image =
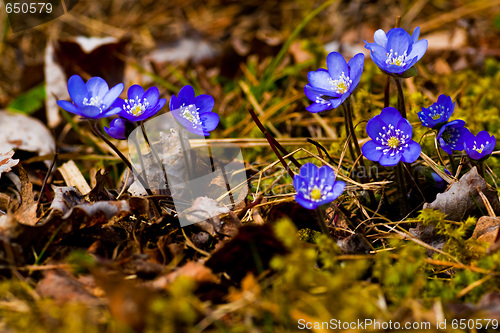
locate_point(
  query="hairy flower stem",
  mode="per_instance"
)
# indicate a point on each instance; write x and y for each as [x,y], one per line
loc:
[401,97]
[157,158]
[348,111]
[400,180]
[402,111]
[122,157]
[321,221]
[453,164]
[480,169]
[272,143]
[387,91]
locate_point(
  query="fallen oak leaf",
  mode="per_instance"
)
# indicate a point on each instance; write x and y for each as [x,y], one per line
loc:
[462,198]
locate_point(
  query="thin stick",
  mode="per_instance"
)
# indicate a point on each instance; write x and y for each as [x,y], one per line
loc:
[155,155]
[271,142]
[46,178]
[123,158]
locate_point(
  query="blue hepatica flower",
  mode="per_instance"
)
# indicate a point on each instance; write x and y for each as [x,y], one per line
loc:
[92,99]
[396,51]
[451,136]
[329,88]
[479,146]
[194,113]
[316,186]
[438,113]
[391,139]
[140,104]
[116,129]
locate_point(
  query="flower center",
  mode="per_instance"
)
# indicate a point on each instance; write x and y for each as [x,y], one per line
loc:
[316,194]
[393,142]
[479,150]
[341,85]
[94,101]
[191,114]
[394,59]
[136,107]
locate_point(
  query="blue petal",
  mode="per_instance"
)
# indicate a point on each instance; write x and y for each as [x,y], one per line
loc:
[412,152]
[205,103]
[116,129]
[405,126]
[388,160]
[210,121]
[398,40]
[338,189]
[186,94]
[336,65]
[323,94]
[299,182]
[370,151]
[174,103]
[160,105]
[70,107]
[309,171]
[317,107]
[356,69]
[444,146]
[135,92]
[374,127]
[390,115]
[425,119]
[320,79]
[112,95]
[488,149]
[97,87]
[418,49]
[77,90]
[336,102]
[90,111]
[380,38]
[308,204]
[326,175]
[416,34]
[152,95]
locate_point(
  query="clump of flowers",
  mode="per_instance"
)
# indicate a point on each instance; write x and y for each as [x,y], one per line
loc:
[330,88]
[479,146]
[316,186]
[438,113]
[397,51]
[93,99]
[194,112]
[391,139]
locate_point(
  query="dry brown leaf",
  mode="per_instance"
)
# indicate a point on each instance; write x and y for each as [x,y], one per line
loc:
[6,162]
[462,198]
[26,213]
[26,133]
[192,269]
[55,86]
